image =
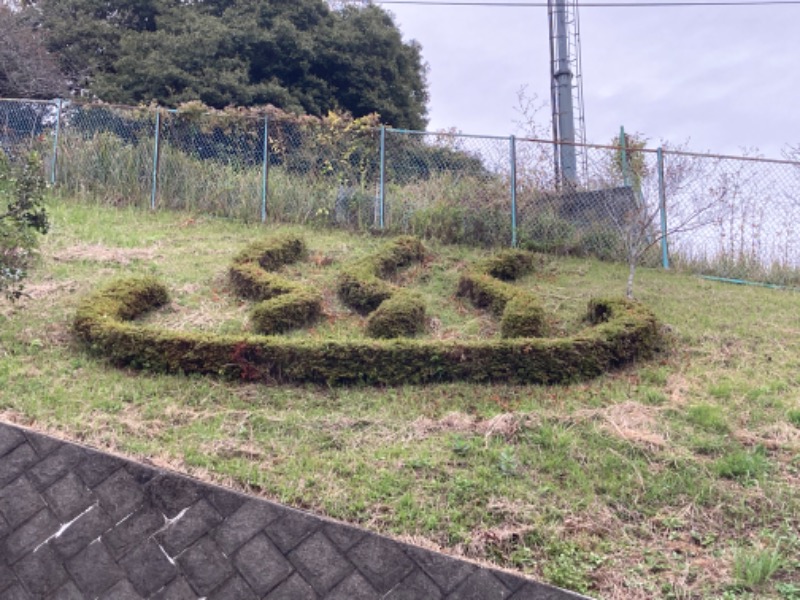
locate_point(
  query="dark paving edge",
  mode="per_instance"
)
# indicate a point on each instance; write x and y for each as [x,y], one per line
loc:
[79,523]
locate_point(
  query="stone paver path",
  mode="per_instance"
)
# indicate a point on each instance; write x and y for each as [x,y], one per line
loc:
[77,523]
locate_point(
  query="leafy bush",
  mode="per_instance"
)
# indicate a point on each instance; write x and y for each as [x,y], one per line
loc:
[22,216]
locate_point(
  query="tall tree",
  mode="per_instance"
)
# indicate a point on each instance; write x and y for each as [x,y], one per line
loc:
[26,68]
[296,54]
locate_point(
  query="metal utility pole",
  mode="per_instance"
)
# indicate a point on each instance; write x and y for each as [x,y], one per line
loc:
[566,90]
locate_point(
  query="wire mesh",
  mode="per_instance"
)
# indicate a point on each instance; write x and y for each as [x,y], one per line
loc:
[210,164]
[450,187]
[731,217]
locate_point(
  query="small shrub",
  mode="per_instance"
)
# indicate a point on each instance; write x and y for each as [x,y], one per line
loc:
[793,416]
[401,315]
[284,304]
[22,217]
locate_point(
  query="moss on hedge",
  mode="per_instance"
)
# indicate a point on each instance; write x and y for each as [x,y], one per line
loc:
[401,315]
[521,313]
[361,286]
[284,304]
[622,332]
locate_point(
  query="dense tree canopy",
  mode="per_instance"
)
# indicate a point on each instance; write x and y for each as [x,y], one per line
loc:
[26,68]
[296,54]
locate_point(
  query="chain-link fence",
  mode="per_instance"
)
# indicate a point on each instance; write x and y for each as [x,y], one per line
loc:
[728,216]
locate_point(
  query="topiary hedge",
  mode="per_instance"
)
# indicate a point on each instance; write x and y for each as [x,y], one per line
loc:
[620,332]
[521,313]
[392,312]
[283,304]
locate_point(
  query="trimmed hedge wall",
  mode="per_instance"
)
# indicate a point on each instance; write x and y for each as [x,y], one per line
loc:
[283,304]
[392,312]
[621,332]
[521,313]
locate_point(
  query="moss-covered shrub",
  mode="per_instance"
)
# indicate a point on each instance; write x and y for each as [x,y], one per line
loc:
[622,332]
[284,304]
[521,313]
[401,315]
[361,287]
[522,317]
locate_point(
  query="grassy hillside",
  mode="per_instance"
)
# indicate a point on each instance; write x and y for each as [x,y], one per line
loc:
[676,478]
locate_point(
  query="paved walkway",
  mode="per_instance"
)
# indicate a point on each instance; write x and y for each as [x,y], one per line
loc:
[77,523]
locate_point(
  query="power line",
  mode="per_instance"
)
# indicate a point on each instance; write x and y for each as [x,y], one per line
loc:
[690,3]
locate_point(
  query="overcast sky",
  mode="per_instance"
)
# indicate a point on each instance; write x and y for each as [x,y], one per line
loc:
[723,78]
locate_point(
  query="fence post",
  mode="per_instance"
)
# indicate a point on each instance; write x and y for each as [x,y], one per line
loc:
[513,156]
[662,204]
[624,157]
[55,145]
[265,171]
[382,182]
[156,148]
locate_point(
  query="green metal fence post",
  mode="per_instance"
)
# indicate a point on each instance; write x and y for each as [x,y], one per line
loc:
[265,171]
[513,157]
[54,164]
[662,203]
[382,183]
[156,148]
[624,156]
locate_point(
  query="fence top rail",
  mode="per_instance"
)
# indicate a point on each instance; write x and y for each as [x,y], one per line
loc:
[447,134]
[706,155]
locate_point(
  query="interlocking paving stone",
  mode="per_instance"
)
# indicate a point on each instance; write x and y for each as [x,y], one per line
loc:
[68,591]
[320,563]
[416,585]
[121,591]
[205,566]
[7,577]
[198,520]
[120,495]
[479,586]
[262,564]
[16,592]
[178,589]
[294,588]
[290,527]
[131,532]
[225,501]
[354,587]
[16,462]
[43,444]
[9,439]
[343,536]
[33,532]
[234,589]
[148,568]
[89,526]
[68,497]
[446,572]
[55,466]
[242,525]
[78,524]
[19,501]
[41,572]
[172,493]
[382,563]
[94,569]
[536,591]
[97,467]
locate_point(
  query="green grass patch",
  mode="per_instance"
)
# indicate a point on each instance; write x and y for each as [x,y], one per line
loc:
[614,483]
